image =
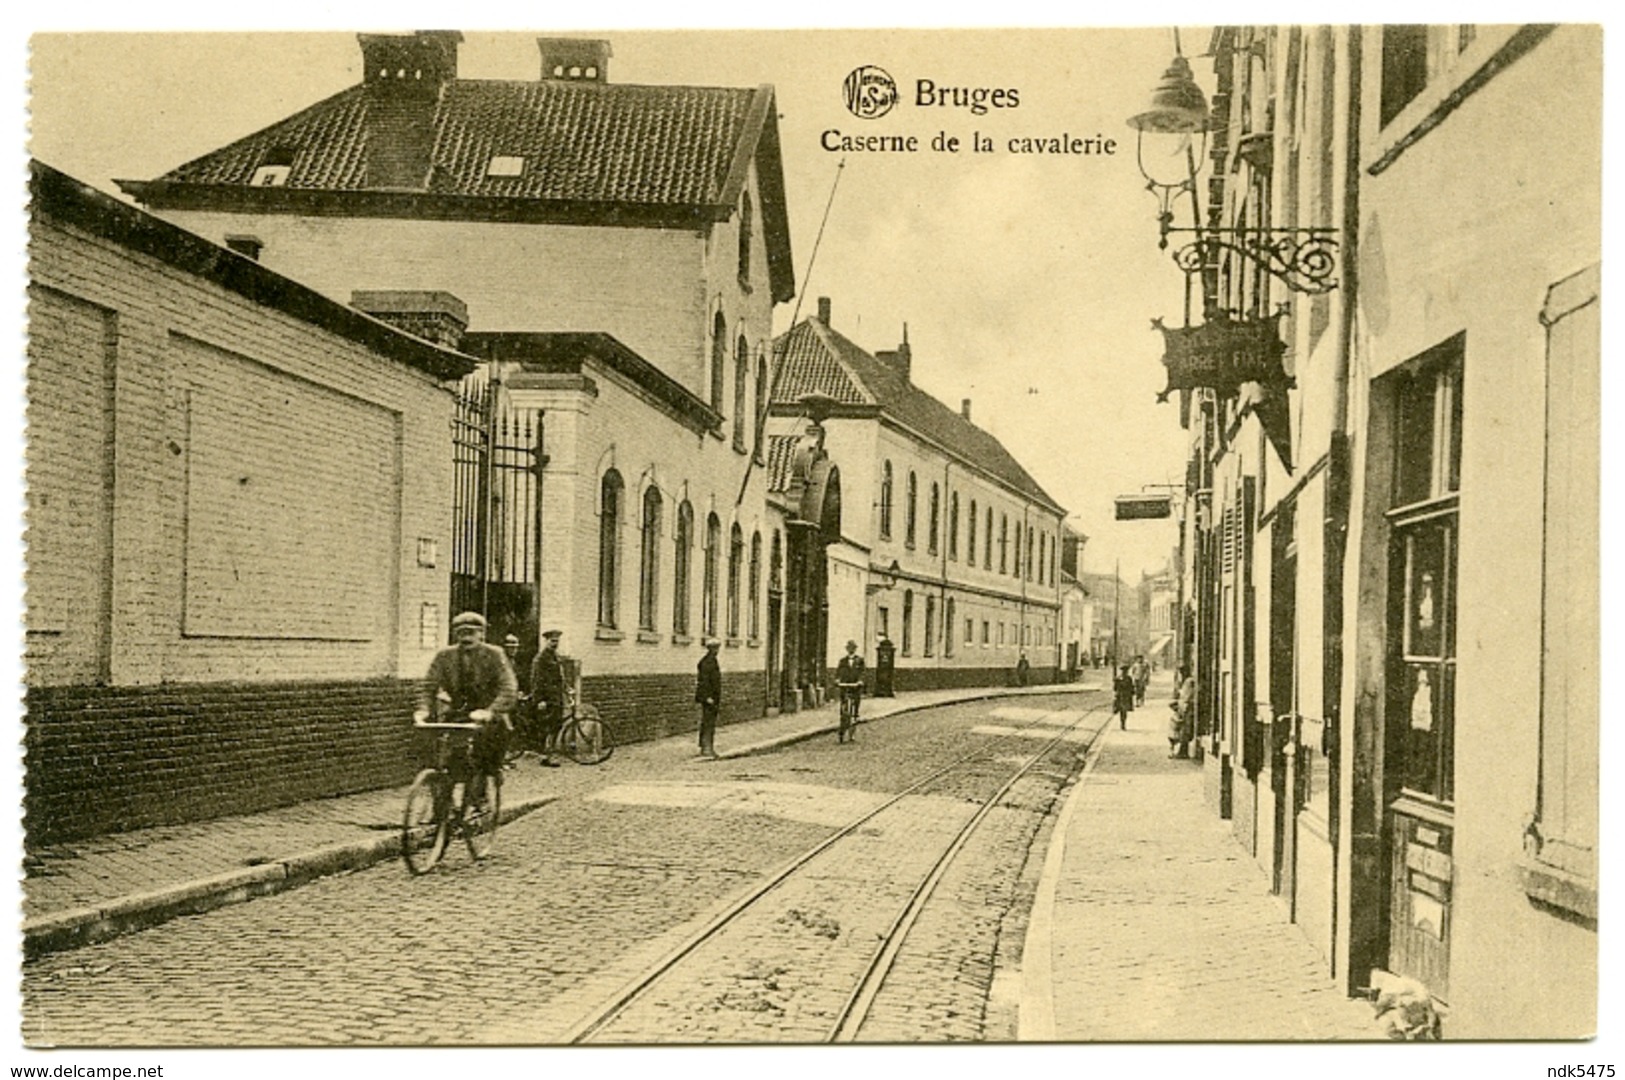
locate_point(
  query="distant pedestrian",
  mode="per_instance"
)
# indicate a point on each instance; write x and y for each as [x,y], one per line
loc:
[1123,696]
[849,680]
[1023,670]
[1142,675]
[708,695]
[1184,709]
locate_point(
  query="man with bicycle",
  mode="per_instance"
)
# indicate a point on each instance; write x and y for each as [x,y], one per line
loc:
[474,681]
[849,680]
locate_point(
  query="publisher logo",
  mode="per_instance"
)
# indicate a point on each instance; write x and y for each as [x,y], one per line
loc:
[870,93]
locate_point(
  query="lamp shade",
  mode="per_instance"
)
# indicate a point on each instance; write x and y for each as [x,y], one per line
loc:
[1178,105]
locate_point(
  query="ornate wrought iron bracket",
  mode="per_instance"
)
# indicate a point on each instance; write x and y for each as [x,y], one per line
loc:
[1303,258]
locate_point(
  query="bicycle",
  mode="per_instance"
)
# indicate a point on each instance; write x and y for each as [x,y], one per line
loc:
[450,798]
[850,697]
[584,736]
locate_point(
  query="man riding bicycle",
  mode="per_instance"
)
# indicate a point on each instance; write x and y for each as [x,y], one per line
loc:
[849,679]
[474,681]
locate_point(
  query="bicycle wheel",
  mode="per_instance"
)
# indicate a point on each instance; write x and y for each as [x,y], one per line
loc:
[482,810]
[424,831]
[587,739]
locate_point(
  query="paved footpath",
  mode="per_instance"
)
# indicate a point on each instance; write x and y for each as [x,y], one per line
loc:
[94,889]
[1152,925]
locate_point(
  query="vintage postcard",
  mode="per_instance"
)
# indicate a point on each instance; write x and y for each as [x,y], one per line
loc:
[1083,536]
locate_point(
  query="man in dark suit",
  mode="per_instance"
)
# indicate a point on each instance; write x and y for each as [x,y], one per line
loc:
[474,681]
[849,679]
[708,694]
[547,691]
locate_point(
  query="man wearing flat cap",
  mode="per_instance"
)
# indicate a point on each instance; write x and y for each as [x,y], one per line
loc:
[474,680]
[708,694]
[547,690]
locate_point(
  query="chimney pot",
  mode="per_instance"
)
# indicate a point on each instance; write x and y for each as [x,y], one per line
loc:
[964,408]
[574,59]
[823,310]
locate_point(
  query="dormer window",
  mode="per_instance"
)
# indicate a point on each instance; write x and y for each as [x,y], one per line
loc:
[274,170]
[244,244]
[506,165]
[271,175]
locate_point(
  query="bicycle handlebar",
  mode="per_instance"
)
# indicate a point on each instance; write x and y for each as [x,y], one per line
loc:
[433,725]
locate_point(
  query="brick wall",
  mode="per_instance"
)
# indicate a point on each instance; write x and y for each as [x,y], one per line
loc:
[644,707]
[219,491]
[104,760]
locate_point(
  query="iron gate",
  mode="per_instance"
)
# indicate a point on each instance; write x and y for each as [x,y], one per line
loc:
[496,510]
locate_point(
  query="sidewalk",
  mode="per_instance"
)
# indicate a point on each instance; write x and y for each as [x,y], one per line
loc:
[1152,925]
[90,890]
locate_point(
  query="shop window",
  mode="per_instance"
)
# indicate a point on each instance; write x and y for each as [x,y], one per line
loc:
[1422,597]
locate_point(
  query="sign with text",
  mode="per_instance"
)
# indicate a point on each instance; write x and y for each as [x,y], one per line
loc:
[1222,354]
[1143,507]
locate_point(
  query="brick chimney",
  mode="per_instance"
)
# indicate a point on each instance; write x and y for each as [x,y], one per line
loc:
[899,359]
[574,59]
[823,310]
[434,316]
[403,75]
[964,408]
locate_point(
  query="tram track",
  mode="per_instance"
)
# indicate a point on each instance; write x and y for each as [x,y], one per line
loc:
[845,1022]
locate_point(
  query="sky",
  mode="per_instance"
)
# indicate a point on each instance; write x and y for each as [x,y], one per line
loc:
[1027,282]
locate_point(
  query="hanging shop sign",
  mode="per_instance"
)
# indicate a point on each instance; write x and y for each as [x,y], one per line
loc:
[1143,507]
[1222,354]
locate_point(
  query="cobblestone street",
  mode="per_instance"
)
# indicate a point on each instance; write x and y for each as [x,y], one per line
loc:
[584,893]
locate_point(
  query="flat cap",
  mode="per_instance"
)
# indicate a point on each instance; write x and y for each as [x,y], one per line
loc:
[468,618]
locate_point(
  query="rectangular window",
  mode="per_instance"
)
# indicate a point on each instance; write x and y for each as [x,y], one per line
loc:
[930,625]
[908,621]
[883,617]
[970,631]
[985,637]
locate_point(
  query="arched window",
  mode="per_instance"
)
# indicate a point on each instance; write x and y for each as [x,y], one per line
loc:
[885,500]
[755,585]
[987,542]
[911,510]
[1028,565]
[719,353]
[1043,555]
[970,536]
[1004,544]
[761,400]
[775,566]
[609,529]
[708,589]
[953,525]
[1015,566]
[935,519]
[908,621]
[681,599]
[930,624]
[744,238]
[741,379]
[649,570]
[736,560]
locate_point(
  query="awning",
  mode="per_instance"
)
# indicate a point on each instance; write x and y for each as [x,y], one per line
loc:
[1158,645]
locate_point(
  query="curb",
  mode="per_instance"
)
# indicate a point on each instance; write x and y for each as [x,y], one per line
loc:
[76,927]
[1035,1010]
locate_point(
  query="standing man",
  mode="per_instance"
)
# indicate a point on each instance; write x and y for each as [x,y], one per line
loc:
[708,694]
[472,680]
[547,692]
[1142,676]
[849,679]
[1123,696]
[1185,708]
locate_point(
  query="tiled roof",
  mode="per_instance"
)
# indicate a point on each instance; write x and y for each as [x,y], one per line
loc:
[817,359]
[809,366]
[781,454]
[592,142]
